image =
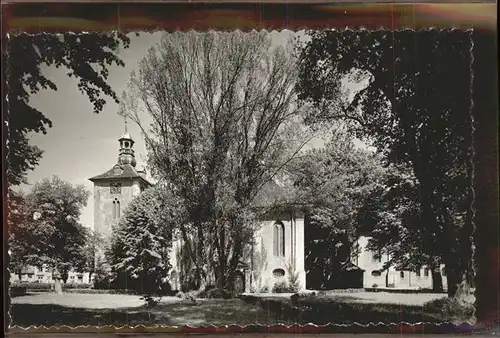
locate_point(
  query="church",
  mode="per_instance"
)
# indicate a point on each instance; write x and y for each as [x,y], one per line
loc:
[279,243]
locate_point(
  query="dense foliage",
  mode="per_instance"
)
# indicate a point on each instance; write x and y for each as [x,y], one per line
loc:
[86,56]
[338,183]
[44,228]
[416,111]
[224,123]
[139,252]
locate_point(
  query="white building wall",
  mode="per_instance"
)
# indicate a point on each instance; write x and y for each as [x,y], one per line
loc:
[44,275]
[397,279]
[265,262]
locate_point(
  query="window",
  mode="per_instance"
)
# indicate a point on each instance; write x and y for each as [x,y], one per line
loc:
[426,272]
[277,273]
[279,239]
[418,272]
[376,273]
[402,274]
[72,277]
[116,209]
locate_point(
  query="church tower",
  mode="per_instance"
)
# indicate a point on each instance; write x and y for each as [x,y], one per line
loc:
[115,188]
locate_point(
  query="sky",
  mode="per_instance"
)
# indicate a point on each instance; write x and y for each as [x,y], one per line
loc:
[82,144]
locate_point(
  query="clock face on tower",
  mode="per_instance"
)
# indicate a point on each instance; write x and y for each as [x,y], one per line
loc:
[115,188]
[117,171]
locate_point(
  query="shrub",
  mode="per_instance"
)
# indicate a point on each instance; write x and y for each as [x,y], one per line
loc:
[34,286]
[150,301]
[165,289]
[375,285]
[263,289]
[17,291]
[293,279]
[77,286]
[451,308]
[282,286]
[216,294]
[49,286]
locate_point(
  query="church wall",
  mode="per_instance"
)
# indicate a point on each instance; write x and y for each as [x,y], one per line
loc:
[264,260]
[103,203]
[300,249]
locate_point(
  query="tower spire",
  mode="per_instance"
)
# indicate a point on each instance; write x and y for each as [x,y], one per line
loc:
[126,154]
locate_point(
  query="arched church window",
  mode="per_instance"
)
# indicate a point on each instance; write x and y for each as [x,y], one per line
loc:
[279,239]
[117,209]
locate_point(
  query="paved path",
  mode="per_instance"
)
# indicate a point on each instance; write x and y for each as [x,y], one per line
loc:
[87,301]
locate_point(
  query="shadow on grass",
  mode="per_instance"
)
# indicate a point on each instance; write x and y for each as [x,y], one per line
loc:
[204,312]
[341,311]
[55,315]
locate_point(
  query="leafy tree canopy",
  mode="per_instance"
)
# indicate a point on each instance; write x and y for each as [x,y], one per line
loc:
[415,108]
[49,228]
[86,56]
[139,252]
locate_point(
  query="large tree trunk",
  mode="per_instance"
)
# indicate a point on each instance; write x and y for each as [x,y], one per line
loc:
[58,287]
[437,280]
[65,276]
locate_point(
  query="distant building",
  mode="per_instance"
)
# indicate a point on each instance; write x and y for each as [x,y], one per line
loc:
[33,274]
[375,276]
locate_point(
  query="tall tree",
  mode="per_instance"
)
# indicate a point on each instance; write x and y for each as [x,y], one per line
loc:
[24,237]
[223,111]
[140,244]
[86,56]
[415,107]
[54,209]
[337,182]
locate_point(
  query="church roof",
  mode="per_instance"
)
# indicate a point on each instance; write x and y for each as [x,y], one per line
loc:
[120,172]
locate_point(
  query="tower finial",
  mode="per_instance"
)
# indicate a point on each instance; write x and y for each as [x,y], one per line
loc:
[125,120]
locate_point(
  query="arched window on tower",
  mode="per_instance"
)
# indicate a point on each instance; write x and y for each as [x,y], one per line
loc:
[116,209]
[279,239]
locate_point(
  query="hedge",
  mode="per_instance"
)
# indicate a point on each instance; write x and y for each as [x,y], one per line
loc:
[49,286]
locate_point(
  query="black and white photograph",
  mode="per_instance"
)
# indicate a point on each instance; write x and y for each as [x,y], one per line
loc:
[240,177]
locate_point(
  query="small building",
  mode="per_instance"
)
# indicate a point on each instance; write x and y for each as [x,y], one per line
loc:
[375,276]
[32,274]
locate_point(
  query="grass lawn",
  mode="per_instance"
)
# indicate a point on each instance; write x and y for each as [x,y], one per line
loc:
[361,307]
[338,308]
[99,309]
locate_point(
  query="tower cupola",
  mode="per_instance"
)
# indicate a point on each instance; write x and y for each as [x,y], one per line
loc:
[126,154]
